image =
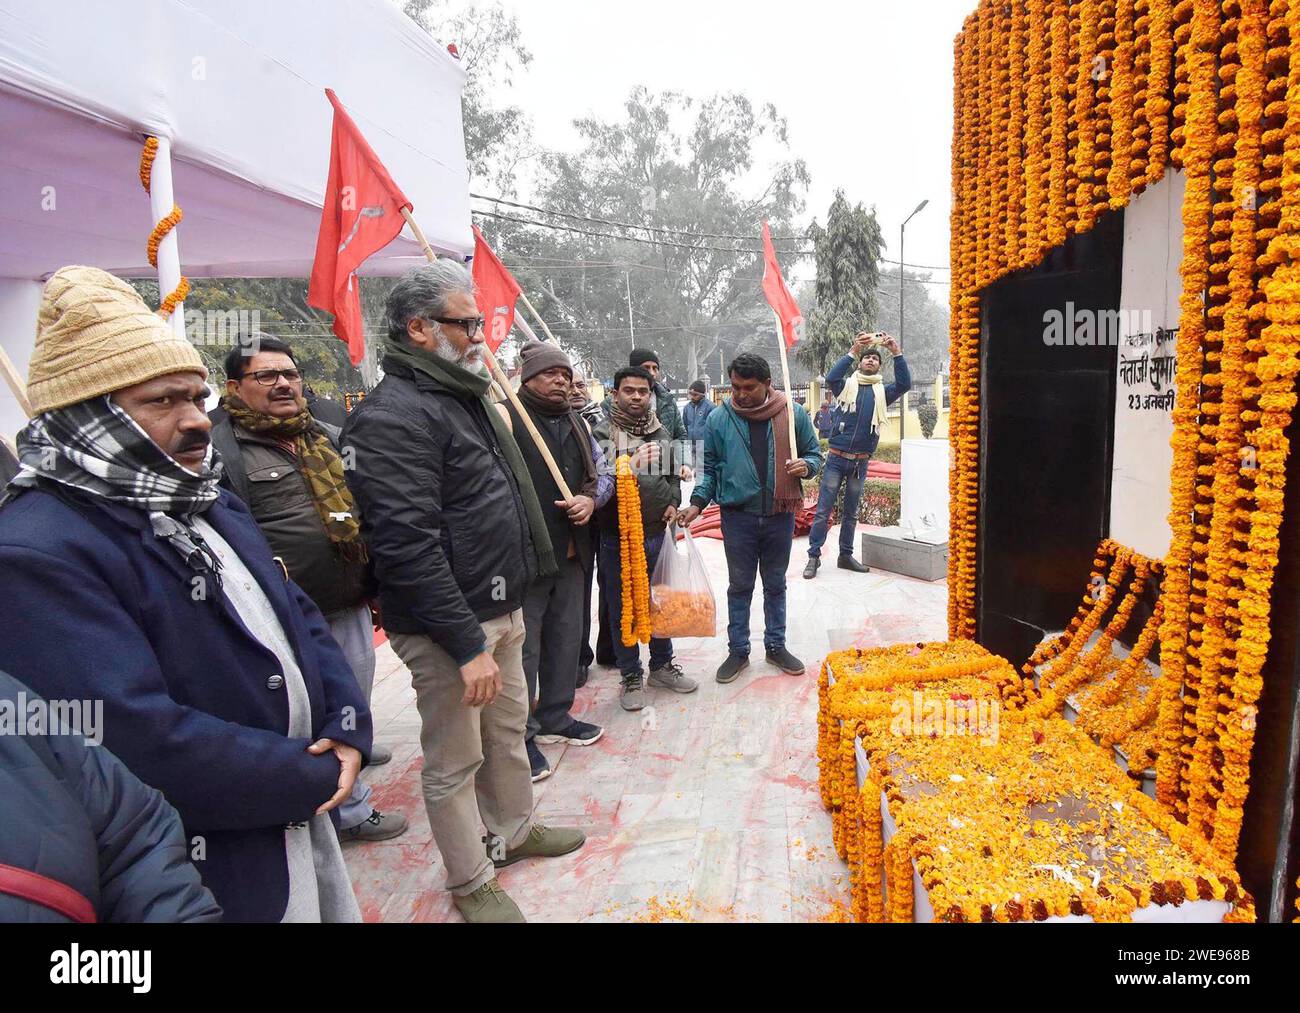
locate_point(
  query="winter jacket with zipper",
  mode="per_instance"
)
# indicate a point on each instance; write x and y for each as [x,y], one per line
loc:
[666,411]
[694,417]
[440,511]
[270,481]
[659,489]
[71,812]
[728,476]
[851,430]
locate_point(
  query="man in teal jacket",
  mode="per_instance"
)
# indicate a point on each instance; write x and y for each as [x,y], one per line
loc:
[743,442]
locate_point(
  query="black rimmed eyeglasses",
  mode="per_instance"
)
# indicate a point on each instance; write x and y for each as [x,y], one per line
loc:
[470,324]
[269,377]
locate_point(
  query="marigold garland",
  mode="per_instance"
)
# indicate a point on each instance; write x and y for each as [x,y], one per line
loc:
[1029,824]
[634,580]
[1066,675]
[1109,95]
[168,222]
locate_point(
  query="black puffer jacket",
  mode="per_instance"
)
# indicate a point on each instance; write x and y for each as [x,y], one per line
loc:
[441,511]
[74,814]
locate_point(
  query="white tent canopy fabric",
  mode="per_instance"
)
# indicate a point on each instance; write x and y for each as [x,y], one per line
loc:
[237,87]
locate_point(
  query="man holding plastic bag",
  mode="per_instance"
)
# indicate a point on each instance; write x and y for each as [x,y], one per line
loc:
[756,477]
[647,492]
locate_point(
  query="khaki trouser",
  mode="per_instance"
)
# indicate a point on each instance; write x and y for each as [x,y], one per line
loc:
[475,764]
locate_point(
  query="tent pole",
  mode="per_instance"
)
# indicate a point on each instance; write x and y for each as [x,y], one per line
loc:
[161,202]
[15,382]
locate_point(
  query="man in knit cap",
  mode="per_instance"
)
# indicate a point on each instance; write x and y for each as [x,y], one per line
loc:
[553,605]
[132,579]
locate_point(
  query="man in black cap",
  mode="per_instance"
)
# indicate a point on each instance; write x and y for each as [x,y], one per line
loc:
[662,402]
[553,604]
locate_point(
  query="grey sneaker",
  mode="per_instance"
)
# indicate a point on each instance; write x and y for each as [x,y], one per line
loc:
[671,676]
[633,695]
[489,905]
[375,827]
[379,755]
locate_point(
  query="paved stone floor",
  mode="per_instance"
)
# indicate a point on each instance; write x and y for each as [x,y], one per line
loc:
[704,808]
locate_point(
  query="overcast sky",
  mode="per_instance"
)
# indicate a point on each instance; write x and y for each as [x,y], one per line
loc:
[866,88]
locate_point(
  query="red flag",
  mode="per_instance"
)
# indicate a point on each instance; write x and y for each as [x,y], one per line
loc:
[362,215]
[495,292]
[778,294]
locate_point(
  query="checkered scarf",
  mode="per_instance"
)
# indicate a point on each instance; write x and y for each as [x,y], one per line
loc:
[97,448]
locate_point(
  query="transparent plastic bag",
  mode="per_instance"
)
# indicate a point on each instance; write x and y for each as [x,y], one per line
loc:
[681,600]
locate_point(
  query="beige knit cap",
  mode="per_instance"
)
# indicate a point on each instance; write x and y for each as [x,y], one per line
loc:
[95,335]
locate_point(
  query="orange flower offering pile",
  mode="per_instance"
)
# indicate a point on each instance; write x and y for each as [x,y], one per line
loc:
[1022,819]
[678,613]
[1063,109]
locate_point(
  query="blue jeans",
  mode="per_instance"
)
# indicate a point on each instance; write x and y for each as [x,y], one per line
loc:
[353,632]
[852,475]
[756,545]
[611,570]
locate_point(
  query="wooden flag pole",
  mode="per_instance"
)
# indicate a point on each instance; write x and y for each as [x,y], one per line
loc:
[789,391]
[537,316]
[502,380]
[15,383]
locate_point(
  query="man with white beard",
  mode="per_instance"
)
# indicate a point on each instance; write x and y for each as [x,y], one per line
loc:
[456,533]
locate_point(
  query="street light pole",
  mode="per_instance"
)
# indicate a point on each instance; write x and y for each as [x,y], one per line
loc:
[902,261]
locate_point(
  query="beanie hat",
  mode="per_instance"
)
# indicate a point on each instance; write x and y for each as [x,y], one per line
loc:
[699,387]
[539,356]
[640,356]
[95,335]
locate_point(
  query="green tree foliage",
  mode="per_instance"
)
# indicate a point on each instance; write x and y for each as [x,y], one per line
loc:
[488,38]
[928,413]
[217,310]
[669,162]
[848,253]
[925,319]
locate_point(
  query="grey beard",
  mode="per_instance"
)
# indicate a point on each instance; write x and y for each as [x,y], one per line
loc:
[466,360]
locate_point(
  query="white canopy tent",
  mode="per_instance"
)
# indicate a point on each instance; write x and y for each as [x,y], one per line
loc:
[234,90]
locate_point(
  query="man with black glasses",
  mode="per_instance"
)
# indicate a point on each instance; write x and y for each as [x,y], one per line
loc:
[285,465]
[457,533]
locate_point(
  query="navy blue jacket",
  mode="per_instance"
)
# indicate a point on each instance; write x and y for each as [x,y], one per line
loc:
[694,416]
[851,430]
[93,605]
[73,813]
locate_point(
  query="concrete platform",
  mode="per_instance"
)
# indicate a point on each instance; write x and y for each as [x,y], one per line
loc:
[705,808]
